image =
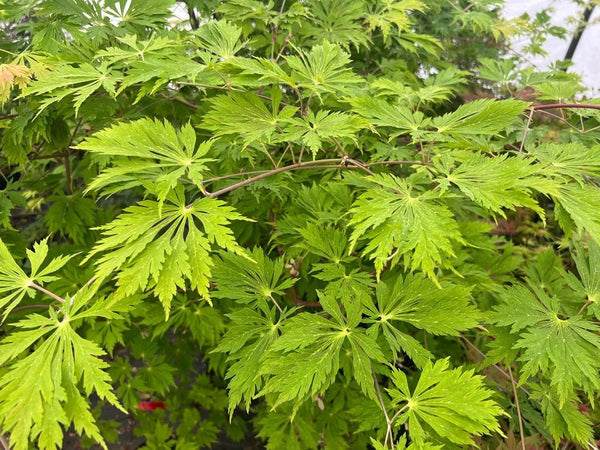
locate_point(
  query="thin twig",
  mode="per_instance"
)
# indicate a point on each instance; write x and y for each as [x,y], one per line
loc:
[20,308]
[496,366]
[398,163]
[270,173]
[233,175]
[526,130]
[75,130]
[306,107]
[288,147]
[308,165]
[87,284]
[359,165]
[388,433]
[264,147]
[184,102]
[67,160]
[285,43]
[4,442]
[34,285]
[564,105]
[301,152]
[517,404]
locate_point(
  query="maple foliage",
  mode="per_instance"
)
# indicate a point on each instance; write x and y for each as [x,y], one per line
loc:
[282,224]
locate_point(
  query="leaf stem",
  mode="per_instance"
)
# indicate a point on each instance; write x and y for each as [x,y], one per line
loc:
[515,393]
[276,304]
[36,286]
[4,442]
[526,130]
[496,366]
[587,303]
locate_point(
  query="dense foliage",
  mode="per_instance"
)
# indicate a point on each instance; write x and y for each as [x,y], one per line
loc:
[338,223]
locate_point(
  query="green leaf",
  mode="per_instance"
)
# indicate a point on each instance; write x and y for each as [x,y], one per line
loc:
[65,80]
[576,199]
[560,347]
[313,129]
[71,216]
[149,153]
[299,367]
[588,284]
[564,419]
[388,14]
[246,115]
[249,335]
[137,50]
[573,161]
[41,391]
[220,38]
[446,404]
[337,21]
[15,284]
[496,183]
[323,70]
[383,114]
[160,246]
[267,71]
[419,302]
[416,300]
[246,280]
[399,223]
[480,117]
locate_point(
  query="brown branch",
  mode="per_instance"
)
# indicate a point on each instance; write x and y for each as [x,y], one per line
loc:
[184,103]
[271,172]
[358,164]
[398,163]
[308,165]
[563,106]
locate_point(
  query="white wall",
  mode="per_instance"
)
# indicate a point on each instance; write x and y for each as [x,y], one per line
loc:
[586,60]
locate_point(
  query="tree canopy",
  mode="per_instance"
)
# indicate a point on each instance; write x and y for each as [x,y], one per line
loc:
[294,224]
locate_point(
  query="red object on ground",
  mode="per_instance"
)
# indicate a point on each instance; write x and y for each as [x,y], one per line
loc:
[150,406]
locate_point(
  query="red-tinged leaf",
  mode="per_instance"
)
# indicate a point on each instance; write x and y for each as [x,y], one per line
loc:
[150,406]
